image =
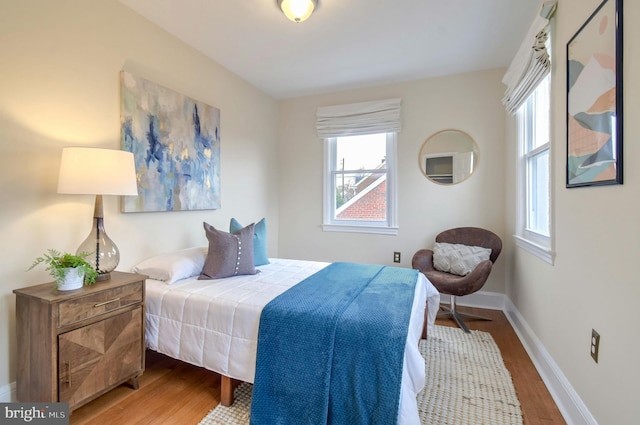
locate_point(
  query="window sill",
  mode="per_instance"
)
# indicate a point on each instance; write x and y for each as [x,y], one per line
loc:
[543,253]
[360,229]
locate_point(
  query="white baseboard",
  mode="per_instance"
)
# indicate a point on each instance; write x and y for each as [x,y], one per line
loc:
[573,409]
[8,393]
[571,406]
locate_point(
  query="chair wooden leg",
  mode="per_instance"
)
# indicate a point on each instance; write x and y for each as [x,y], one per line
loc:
[457,316]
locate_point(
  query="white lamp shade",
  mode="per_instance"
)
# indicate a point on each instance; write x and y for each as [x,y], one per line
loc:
[94,171]
[297,10]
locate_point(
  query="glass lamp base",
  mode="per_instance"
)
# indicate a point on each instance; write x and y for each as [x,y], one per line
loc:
[101,252]
[98,249]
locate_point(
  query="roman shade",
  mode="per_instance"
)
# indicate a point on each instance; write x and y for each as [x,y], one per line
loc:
[380,116]
[532,62]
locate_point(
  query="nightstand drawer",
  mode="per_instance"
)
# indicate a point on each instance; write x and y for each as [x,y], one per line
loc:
[92,305]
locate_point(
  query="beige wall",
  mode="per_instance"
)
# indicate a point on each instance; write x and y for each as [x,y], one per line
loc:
[60,87]
[469,102]
[594,282]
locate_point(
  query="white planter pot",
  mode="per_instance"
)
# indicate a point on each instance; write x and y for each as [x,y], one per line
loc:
[73,279]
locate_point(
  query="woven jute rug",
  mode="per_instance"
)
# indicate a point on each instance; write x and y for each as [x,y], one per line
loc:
[467,384]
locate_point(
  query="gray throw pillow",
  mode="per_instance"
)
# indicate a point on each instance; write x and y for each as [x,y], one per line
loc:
[228,254]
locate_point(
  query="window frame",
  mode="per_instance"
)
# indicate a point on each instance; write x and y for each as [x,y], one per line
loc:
[534,242]
[329,223]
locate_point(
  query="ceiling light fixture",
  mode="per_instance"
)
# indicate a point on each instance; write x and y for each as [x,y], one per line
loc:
[297,10]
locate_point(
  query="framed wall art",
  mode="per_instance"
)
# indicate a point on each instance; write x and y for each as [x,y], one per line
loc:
[175,142]
[594,99]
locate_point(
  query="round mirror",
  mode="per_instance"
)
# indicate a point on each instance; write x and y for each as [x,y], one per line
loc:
[448,157]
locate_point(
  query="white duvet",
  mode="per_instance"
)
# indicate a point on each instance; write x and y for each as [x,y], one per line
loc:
[214,323]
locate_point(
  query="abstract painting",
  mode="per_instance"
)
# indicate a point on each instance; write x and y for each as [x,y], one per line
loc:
[594,99]
[175,141]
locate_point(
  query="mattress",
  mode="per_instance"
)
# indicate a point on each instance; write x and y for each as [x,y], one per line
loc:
[214,323]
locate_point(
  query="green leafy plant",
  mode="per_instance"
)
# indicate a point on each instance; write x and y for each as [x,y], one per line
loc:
[57,263]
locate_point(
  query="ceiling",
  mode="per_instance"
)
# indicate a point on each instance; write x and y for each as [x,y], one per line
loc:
[346,44]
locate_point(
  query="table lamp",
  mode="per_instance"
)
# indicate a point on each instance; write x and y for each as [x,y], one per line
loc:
[95,171]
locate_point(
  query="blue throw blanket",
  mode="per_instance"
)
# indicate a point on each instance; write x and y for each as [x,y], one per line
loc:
[331,348]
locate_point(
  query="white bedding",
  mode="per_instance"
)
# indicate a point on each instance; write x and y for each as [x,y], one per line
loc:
[214,323]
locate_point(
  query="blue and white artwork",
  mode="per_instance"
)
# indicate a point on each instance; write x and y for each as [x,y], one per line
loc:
[175,141]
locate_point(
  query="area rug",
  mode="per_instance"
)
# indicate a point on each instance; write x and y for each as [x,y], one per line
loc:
[467,384]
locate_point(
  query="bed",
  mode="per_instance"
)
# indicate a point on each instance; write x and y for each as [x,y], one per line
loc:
[214,323]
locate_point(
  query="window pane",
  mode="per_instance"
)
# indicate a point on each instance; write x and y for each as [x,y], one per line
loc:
[366,152]
[361,196]
[538,193]
[540,120]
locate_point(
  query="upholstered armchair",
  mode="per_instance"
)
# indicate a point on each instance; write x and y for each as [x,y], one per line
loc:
[457,285]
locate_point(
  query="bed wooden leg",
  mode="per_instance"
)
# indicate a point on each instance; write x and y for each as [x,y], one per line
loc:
[227,385]
[426,320]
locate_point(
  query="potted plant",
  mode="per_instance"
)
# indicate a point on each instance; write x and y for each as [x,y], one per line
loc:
[69,271]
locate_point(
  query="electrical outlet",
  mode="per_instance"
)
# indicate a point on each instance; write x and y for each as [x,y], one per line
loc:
[396,257]
[595,344]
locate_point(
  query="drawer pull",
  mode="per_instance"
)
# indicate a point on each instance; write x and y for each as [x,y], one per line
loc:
[68,373]
[107,302]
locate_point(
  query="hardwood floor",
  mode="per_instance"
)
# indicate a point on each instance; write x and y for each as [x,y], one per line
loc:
[173,392]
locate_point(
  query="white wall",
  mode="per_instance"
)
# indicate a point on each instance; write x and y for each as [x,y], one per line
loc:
[469,102]
[60,87]
[594,282]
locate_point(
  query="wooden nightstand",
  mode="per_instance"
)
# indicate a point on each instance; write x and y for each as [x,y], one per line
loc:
[74,346]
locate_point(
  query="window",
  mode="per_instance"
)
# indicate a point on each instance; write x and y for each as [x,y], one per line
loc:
[360,184]
[534,209]
[360,165]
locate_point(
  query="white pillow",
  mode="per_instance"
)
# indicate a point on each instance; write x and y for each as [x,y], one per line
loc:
[458,258]
[173,266]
